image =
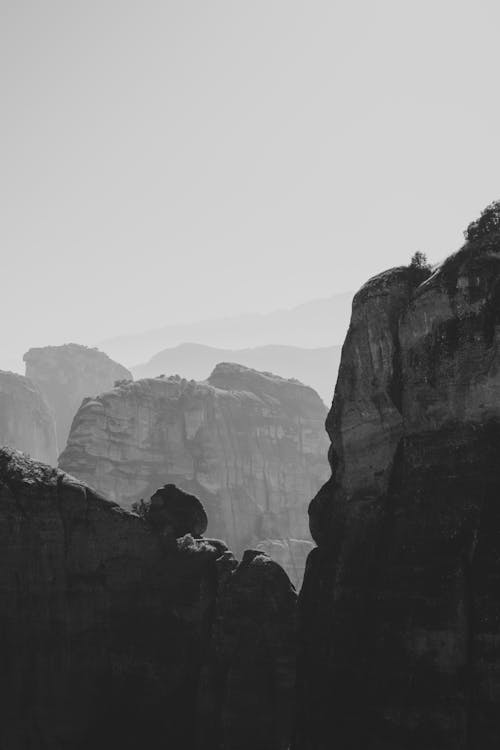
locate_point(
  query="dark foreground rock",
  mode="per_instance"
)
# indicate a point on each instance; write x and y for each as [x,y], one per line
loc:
[106,621]
[66,375]
[251,445]
[26,421]
[400,607]
[248,682]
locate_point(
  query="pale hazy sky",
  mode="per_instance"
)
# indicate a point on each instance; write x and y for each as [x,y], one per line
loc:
[169,161]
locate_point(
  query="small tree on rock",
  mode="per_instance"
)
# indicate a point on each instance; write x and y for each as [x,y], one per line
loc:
[419,260]
[420,267]
[142,508]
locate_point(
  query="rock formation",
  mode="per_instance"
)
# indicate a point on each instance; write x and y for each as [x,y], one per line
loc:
[106,621]
[66,375]
[315,367]
[291,554]
[250,444]
[26,422]
[399,611]
[248,680]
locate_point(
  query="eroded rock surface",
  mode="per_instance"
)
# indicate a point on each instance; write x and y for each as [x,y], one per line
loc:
[399,611]
[250,444]
[26,422]
[106,621]
[66,375]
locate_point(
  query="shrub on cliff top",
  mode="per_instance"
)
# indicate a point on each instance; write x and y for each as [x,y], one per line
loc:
[142,508]
[489,221]
[420,267]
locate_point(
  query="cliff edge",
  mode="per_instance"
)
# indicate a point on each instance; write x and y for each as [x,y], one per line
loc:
[399,610]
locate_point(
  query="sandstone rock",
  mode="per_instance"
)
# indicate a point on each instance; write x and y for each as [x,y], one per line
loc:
[399,609]
[26,422]
[250,444]
[105,623]
[68,374]
[247,686]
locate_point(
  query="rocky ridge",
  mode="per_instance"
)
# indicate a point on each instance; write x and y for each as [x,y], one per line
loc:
[26,422]
[118,633]
[315,367]
[399,610]
[250,444]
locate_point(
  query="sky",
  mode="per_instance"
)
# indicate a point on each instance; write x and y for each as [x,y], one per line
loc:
[171,161]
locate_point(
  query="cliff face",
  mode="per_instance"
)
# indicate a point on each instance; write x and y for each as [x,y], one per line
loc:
[106,621]
[26,422]
[66,375]
[250,444]
[399,610]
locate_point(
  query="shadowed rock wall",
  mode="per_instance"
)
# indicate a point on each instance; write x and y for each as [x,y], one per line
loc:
[400,609]
[106,620]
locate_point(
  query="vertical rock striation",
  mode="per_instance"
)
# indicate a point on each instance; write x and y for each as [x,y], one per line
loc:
[106,622]
[26,422]
[399,611]
[66,375]
[250,444]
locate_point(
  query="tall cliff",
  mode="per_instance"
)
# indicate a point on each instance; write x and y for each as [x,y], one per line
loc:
[400,608]
[250,444]
[119,631]
[26,422]
[66,375]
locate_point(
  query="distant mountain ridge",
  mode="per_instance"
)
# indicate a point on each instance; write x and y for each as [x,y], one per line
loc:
[319,323]
[314,367]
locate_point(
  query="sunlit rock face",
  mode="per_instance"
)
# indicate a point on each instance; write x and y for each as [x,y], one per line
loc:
[399,611]
[251,445]
[115,631]
[66,375]
[26,421]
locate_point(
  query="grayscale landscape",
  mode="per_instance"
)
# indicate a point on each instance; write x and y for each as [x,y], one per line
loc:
[249,375]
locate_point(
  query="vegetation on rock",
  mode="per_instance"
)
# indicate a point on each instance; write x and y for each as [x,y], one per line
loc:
[488,222]
[420,267]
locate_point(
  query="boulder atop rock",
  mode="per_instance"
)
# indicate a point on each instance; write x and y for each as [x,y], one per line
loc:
[177,512]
